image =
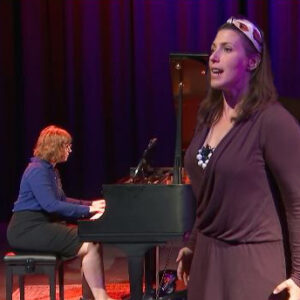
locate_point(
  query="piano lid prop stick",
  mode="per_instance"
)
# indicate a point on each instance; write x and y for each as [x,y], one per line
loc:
[177,179]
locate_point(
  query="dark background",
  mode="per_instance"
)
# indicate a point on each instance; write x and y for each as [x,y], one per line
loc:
[100,69]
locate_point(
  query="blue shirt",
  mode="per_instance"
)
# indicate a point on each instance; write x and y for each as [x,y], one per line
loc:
[40,191]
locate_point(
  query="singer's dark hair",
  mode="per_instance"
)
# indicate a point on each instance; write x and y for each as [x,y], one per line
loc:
[261,88]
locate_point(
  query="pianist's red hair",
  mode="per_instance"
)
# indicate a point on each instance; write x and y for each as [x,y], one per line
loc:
[51,144]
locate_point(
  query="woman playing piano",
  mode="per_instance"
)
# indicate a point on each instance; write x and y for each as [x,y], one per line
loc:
[35,224]
[244,167]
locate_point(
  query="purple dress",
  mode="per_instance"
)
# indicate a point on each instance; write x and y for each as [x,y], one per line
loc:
[249,188]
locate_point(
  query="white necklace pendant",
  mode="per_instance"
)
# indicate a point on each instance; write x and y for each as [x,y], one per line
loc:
[203,156]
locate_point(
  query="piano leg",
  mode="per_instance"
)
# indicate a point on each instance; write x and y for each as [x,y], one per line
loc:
[135,270]
[136,255]
[150,271]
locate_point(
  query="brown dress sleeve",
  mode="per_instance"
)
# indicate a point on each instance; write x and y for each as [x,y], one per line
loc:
[280,139]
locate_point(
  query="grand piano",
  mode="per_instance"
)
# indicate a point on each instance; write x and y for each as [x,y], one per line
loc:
[153,205]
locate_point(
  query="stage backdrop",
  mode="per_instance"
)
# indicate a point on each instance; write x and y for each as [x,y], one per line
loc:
[100,68]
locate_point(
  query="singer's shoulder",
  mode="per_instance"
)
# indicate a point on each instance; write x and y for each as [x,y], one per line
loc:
[276,117]
[275,112]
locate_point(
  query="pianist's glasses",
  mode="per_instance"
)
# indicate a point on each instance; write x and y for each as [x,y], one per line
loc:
[68,147]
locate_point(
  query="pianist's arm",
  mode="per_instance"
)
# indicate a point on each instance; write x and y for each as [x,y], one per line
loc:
[79,201]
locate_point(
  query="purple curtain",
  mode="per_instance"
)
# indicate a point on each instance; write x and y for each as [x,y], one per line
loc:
[100,68]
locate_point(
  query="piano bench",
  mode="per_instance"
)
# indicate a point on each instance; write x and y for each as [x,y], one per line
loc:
[30,263]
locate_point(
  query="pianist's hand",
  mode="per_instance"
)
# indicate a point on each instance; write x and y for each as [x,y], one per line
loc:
[97,207]
[184,260]
[96,216]
[99,204]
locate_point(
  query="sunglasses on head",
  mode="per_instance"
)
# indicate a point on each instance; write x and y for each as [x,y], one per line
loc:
[250,30]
